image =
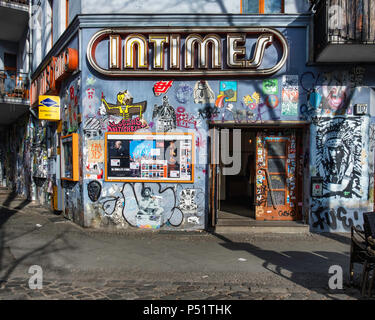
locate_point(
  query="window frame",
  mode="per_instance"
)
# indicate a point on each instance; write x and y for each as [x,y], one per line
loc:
[66,13]
[261,4]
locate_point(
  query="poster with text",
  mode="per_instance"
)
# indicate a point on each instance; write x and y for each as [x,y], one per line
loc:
[156,157]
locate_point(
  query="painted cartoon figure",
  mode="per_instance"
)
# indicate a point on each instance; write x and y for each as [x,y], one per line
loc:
[124,106]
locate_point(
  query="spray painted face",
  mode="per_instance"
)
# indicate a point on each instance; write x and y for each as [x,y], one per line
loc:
[337,160]
[336,97]
[146,193]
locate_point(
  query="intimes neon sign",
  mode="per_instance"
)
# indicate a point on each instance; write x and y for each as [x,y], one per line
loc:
[186,51]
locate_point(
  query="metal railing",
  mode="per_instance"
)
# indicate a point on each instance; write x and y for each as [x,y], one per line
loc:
[14,84]
[344,22]
[25,2]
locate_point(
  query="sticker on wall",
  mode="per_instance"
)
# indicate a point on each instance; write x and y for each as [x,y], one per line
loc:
[150,212]
[187,201]
[95,151]
[251,101]
[161,87]
[72,109]
[124,106]
[290,95]
[90,81]
[203,92]
[165,116]
[219,103]
[94,189]
[94,171]
[270,86]
[229,90]
[92,128]
[183,93]
[272,101]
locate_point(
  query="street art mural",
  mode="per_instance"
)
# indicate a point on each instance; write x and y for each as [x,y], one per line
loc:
[165,116]
[339,157]
[151,206]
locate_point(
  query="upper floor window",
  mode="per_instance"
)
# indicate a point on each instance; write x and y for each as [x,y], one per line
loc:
[263,6]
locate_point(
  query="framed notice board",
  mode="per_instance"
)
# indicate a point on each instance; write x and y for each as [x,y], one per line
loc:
[149,157]
[69,157]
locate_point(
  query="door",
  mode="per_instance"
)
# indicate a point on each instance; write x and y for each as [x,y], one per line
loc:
[214,175]
[276,177]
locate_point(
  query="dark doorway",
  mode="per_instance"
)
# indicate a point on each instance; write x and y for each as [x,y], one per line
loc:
[237,192]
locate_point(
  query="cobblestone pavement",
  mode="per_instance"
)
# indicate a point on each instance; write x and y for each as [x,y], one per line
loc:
[82,264]
[101,289]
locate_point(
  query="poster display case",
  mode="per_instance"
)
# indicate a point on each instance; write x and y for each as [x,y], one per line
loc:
[149,157]
[69,157]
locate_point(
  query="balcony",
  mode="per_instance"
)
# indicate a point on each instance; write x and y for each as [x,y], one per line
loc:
[16,4]
[14,95]
[13,86]
[344,31]
[14,17]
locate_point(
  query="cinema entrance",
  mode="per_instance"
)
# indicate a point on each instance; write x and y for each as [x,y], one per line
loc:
[269,183]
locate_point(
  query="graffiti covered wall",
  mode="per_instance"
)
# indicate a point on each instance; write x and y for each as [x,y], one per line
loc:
[338,149]
[130,108]
[70,96]
[341,151]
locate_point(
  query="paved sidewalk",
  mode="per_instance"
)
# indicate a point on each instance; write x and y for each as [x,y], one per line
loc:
[103,289]
[82,263]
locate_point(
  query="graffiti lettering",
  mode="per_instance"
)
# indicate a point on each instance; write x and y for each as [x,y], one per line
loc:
[331,217]
[130,125]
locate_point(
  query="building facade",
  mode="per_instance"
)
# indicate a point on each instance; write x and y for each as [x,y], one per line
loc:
[178,119]
[14,94]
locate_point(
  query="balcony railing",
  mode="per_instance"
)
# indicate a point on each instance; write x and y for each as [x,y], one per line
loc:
[344,22]
[14,84]
[26,2]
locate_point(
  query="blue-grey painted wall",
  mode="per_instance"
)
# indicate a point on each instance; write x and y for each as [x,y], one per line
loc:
[325,96]
[338,89]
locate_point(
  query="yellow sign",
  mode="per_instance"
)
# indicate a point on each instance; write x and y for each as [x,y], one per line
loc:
[49,108]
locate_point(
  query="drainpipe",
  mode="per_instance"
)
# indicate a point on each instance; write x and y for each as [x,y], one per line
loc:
[33,190]
[30,50]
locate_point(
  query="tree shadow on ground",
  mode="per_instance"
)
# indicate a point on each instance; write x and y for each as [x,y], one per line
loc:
[309,270]
[37,255]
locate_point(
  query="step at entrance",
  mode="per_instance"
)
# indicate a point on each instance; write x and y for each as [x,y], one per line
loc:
[232,223]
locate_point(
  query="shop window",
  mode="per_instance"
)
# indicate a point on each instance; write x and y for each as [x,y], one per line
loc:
[263,6]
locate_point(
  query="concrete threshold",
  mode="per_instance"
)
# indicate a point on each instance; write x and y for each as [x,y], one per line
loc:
[230,224]
[262,229]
